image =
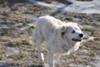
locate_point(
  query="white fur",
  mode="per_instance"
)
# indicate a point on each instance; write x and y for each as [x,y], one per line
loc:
[49,29]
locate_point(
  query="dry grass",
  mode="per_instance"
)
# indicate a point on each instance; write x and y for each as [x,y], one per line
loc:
[19,42]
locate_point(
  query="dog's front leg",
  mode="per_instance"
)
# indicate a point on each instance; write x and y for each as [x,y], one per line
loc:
[50,59]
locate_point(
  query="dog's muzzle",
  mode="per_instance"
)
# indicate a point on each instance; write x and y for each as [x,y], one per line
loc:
[78,39]
[74,39]
[81,35]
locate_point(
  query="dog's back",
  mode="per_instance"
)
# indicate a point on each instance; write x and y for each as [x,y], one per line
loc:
[48,22]
[46,26]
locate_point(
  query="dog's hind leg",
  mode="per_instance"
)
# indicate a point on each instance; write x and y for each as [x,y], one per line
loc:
[37,39]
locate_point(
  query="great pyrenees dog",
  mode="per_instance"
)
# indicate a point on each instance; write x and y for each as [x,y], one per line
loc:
[58,36]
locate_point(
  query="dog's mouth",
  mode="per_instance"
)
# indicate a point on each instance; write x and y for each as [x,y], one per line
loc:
[74,39]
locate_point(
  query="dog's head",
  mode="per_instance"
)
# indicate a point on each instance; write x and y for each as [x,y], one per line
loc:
[72,32]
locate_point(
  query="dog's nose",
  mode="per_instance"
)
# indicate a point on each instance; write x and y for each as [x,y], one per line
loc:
[81,35]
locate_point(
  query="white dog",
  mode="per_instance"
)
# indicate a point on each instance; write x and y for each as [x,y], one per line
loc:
[58,36]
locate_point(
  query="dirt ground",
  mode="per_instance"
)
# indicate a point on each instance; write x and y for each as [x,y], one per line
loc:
[17,49]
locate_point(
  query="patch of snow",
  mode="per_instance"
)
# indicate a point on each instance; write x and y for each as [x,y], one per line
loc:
[90,11]
[43,4]
[88,7]
[83,7]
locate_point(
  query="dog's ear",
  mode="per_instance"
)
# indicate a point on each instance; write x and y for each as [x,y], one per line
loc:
[63,30]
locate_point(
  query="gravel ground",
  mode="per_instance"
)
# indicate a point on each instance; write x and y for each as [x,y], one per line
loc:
[17,49]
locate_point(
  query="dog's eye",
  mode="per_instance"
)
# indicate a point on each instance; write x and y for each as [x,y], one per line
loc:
[73,31]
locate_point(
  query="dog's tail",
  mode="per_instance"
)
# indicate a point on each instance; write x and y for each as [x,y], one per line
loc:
[32,18]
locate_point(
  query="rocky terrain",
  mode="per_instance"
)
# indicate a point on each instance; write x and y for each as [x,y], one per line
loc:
[17,21]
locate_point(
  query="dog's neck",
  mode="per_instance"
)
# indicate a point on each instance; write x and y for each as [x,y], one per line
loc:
[69,42]
[72,47]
